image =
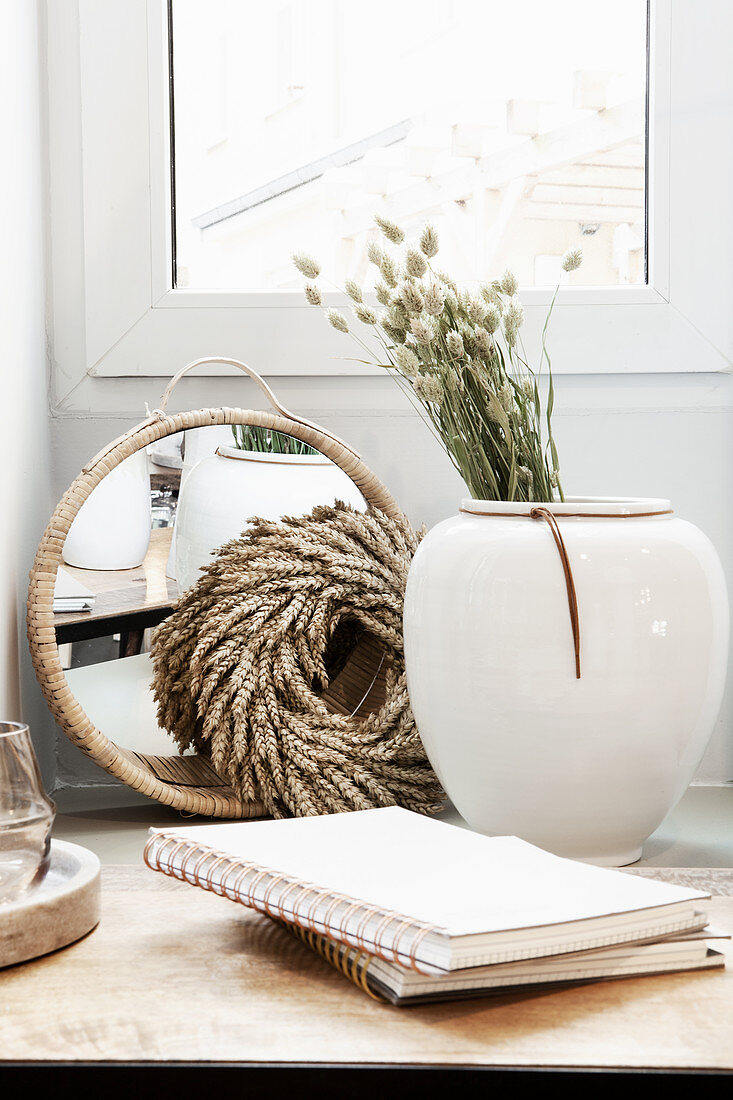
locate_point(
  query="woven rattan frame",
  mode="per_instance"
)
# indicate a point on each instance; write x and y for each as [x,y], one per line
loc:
[186,783]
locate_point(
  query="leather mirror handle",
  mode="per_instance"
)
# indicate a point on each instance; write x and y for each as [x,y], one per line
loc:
[251,373]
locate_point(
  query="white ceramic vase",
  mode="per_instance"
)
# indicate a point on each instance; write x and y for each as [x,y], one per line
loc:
[587,768]
[198,443]
[112,528]
[224,491]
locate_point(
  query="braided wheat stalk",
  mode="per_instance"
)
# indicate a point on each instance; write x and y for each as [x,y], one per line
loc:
[241,663]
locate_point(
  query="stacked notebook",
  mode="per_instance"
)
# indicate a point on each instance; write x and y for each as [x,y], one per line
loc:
[413,910]
[70,595]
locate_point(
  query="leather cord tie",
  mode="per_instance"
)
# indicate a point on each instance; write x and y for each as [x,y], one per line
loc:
[550,519]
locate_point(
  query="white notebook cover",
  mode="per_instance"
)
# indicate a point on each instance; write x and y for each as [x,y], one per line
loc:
[463,883]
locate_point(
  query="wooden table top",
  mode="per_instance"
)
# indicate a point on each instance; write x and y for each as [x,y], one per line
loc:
[120,592]
[174,973]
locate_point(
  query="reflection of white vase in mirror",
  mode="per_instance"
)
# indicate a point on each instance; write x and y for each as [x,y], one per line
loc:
[198,443]
[167,451]
[227,489]
[117,697]
[112,528]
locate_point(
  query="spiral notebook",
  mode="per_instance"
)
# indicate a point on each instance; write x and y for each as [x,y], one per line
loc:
[383,981]
[70,595]
[420,893]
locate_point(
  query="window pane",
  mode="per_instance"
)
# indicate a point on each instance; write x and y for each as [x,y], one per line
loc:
[517,128]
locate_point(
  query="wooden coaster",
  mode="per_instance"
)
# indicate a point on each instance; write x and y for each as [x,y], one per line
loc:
[54,912]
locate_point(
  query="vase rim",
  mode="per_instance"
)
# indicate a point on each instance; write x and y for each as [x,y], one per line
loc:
[9,729]
[224,451]
[582,507]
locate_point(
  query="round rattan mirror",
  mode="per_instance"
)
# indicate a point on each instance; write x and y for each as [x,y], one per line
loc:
[185,782]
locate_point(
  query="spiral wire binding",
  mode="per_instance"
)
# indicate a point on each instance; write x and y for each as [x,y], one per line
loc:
[350,962]
[160,856]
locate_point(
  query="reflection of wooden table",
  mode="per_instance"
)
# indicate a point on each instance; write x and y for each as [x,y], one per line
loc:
[177,975]
[126,600]
[164,477]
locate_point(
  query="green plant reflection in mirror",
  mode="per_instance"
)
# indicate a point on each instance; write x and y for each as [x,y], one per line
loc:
[249,438]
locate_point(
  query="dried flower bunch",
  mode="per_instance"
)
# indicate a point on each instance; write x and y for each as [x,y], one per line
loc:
[460,359]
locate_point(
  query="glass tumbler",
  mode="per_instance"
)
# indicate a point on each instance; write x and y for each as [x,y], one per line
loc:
[26,813]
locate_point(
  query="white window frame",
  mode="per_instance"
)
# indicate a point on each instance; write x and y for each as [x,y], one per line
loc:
[115,313]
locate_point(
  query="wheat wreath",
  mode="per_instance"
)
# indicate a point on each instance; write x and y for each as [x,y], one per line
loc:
[243,664]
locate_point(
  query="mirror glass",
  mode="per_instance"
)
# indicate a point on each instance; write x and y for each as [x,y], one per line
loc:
[142,538]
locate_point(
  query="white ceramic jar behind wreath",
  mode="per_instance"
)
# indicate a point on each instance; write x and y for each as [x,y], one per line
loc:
[228,488]
[582,758]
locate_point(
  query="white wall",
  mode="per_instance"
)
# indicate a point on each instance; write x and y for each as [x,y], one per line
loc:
[661,435]
[25,479]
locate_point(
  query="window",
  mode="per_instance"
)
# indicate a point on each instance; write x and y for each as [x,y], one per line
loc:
[517,129]
[118,311]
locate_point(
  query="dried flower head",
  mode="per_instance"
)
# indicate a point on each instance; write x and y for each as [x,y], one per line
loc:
[396,335]
[415,263]
[508,283]
[492,295]
[492,319]
[434,298]
[337,320]
[354,291]
[483,342]
[408,362]
[313,294]
[306,265]
[388,269]
[421,330]
[513,319]
[374,252]
[366,315]
[447,281]
[554,479]
[528,388]
[391,231]
[455,343]
[572,259]
[506,397]
[384,294]
[410,298]
[398,315]
[429,242]
[469,340]
[475,309]
[428,389]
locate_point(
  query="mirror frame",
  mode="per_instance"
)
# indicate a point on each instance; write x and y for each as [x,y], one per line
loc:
[186,783]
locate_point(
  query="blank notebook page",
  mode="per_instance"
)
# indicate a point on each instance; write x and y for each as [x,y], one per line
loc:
[441,874]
